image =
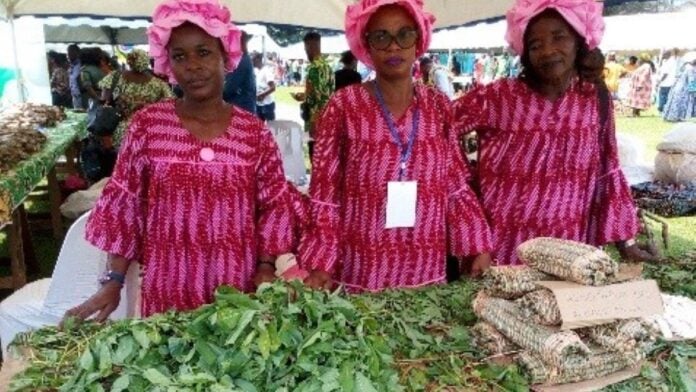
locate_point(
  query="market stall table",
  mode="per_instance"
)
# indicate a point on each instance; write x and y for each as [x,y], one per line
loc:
[18,183]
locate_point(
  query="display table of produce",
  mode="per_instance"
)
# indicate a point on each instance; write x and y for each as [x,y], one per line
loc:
[37,154]
[289,338]
[18,182]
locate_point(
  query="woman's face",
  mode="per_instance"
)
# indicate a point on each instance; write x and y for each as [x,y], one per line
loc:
[392,36]
[552,47]
[197,62]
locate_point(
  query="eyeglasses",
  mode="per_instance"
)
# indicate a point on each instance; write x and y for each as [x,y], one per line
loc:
[382,39]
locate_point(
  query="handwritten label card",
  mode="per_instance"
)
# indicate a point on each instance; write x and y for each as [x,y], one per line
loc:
[584,306]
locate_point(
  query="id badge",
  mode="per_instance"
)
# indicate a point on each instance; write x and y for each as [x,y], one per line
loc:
[401,204]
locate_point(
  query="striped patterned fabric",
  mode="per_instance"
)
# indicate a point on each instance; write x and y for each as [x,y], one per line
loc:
[355,158]
[195,214]
[546,168]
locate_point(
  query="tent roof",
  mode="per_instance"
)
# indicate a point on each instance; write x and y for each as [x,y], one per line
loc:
[321,14]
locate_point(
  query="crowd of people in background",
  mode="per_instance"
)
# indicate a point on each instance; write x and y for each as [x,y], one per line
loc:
[87,78]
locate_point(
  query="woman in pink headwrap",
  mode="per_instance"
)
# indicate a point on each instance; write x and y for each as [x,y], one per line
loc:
[548,161]
[389,193]
[198,196]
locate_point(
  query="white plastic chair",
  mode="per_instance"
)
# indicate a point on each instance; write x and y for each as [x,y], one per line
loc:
[75,278]
[288,135]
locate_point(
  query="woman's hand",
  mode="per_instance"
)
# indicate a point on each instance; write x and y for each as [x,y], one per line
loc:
[480,264]
[104,302]
[265,273]
[319,280]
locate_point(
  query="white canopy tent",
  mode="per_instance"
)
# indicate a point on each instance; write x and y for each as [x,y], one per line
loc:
[114,31]
[624,32]
[321,14]
[329,45]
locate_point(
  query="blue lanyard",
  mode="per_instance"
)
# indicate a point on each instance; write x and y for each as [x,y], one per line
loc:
[407,149]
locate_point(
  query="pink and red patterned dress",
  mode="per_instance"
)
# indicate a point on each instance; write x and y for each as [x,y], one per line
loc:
[355,158]
[195,214]
[546,168]
[641,86]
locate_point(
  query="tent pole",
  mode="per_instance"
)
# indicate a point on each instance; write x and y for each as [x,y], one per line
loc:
[18,71]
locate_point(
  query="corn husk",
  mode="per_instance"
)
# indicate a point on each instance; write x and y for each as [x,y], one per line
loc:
[541,307]
[626,336]
[559,348]
[569,260]
[512,282]
[485,337]
[598,365]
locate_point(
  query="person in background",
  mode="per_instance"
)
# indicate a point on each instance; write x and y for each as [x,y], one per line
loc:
[265,87]
[319,85]
[613,71]
[348,74]
[436,76]
[79,102]
[548,159]
[681,103]
[240,84]
[503,70]
[198,196]
[59,79]
[135,88]
[667,76]
[383,146]
[90,76]
[632,64]
[641,86]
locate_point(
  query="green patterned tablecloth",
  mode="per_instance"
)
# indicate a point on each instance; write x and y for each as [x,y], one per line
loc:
[19,182]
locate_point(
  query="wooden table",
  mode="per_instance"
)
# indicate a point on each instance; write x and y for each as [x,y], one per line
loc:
[18,183]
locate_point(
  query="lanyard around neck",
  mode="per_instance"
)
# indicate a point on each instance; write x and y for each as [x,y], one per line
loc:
[405,149]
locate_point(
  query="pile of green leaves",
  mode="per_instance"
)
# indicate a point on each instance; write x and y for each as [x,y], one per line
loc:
[675,275]
[285,338]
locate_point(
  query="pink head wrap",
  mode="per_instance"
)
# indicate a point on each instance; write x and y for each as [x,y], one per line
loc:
[209,15]
[585,16]
[357,16]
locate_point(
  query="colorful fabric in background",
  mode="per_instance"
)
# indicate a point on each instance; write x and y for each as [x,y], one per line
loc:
[666,199]
[6,74]
[138,60]
[16,185]
[131,97]
[321,76]
[640,89]
[681,104]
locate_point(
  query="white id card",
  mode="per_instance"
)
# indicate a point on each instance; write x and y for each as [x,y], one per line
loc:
[401,204]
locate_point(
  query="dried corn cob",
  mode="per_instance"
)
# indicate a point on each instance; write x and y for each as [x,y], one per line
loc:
[598,365]
[487,338]
[512,282]
[540,306]
[569,260]
[625,336]
[555,347]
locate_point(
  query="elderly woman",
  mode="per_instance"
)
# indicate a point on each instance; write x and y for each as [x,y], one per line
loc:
[198,196]
[548,161]
[389,193]
[132,89]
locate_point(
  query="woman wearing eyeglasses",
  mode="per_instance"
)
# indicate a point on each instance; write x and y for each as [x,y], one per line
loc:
[389,193]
